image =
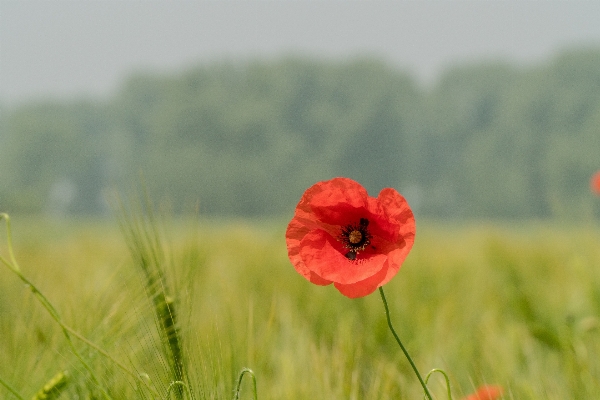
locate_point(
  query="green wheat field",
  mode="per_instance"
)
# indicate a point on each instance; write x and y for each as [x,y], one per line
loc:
[514,304]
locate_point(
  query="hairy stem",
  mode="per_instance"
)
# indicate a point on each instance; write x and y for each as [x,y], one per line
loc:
[412,364]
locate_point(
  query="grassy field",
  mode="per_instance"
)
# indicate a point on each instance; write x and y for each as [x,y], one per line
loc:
[515,304]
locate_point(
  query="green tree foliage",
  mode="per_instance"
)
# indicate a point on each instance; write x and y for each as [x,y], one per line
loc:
[487,140]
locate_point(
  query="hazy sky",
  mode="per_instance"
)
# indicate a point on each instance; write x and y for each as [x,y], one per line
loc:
[67,48]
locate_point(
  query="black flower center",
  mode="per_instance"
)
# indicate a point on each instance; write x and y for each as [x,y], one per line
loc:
[355,238]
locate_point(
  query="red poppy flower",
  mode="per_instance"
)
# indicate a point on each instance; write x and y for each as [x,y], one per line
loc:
[486,392]
[595,183]
[342,235]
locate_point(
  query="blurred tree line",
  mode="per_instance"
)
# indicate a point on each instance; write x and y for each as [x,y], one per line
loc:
[486,140]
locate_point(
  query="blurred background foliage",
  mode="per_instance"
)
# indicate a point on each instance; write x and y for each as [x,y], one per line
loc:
[500,303]
[246,138]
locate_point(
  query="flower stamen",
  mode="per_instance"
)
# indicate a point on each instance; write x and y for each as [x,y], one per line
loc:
[355,238]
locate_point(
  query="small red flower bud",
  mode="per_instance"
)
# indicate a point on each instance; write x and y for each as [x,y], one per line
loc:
[595,183]
[486,392]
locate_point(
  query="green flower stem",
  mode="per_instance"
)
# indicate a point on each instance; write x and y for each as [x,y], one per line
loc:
[445,377]
[236,395]
[412,364]
[68,331]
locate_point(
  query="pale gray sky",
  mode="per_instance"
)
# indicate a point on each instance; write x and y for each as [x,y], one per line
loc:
[69,48]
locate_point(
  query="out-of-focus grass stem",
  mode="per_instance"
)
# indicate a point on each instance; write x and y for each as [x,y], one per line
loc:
[244,371]
[67,331]
[445,377]
[13,265]
[176,384]
[144,242]
[11,389]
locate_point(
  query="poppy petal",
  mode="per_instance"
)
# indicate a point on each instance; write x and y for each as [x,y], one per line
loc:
[294,234]
[325,256]
[364,287]
[338,200]
[397,208]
